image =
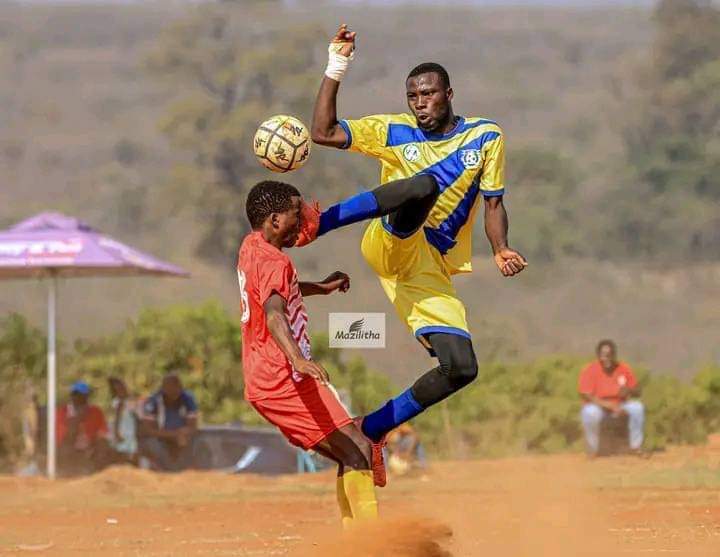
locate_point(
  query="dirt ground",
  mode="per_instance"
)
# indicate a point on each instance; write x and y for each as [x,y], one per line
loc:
[562,506]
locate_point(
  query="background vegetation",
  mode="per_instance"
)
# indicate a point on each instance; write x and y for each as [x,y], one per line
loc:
[137,119]
[512,408]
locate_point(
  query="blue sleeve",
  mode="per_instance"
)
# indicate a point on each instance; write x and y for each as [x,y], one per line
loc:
[190,404]
[344,125]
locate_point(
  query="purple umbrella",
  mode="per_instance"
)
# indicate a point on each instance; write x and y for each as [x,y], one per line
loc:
[51,245]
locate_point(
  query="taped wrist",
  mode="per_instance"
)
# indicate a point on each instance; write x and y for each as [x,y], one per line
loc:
[337,63]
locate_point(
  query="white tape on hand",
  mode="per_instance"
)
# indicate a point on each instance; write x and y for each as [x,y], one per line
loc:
[337,63]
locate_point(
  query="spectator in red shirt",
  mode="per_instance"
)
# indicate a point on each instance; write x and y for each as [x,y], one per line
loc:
[81,432]
[606,387]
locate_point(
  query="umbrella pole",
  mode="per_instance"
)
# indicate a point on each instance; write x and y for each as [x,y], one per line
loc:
[51,387]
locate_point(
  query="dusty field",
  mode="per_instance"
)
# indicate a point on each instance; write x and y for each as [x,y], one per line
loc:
[555,506]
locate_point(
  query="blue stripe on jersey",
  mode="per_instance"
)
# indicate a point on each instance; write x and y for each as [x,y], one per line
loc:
[449,169]
[344,125]
[443,237]
[438,240]
[400,134]
[494,193]
[455,220]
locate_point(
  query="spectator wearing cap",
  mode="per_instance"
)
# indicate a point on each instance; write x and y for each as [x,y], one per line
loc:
[609,389]
[169,423]
[81,432]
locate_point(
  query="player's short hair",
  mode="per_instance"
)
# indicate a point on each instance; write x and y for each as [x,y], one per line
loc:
[606,342]
[431,67]
[268,197]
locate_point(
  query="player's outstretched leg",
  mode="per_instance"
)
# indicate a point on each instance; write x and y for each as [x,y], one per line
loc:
[458,367]
[355,489]
[408,201]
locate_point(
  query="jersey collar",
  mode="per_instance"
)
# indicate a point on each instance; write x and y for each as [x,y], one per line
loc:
[459,126]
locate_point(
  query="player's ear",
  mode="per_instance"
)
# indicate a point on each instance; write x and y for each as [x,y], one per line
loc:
[275,220]
[449,93]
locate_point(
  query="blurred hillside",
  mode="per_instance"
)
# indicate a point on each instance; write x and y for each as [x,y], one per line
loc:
[106,113]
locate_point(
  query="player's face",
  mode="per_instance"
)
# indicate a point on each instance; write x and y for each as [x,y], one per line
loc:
[288,223]
[607,357]
[429,101]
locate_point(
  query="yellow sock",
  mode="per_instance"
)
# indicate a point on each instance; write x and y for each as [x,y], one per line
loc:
[345,511]
[360,492]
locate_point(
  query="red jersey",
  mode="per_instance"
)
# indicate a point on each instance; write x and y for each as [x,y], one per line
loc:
[91,427]
[594,381]
[262,271]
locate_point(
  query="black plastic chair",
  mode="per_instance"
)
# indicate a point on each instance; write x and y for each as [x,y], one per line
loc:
[614,435]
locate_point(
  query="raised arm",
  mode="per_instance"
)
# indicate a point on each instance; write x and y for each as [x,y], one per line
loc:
[325,129]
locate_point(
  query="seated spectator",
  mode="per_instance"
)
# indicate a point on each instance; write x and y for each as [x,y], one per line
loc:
[169,423]
[405,450]
[81,431]
[606,387]
[123,437]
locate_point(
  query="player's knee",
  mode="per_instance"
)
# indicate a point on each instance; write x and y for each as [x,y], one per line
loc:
[463,370]
[426,186]
[591,414]
[635,409]
[357,456]
[457,359]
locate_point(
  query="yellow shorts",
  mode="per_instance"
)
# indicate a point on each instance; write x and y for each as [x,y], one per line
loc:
[414,277]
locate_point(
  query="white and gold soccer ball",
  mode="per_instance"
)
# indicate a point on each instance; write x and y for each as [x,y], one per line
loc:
[282,143]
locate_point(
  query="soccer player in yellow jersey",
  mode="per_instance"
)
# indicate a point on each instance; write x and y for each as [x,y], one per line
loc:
[435,167]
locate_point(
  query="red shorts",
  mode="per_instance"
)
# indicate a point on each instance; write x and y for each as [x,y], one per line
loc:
[305,417]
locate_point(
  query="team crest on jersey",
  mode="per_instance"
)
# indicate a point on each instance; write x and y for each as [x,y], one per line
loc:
[470,158]
[411,153]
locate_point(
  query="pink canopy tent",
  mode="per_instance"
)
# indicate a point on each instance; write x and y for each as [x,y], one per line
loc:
[51,245]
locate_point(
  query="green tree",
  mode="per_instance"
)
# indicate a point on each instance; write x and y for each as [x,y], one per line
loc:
[534,407]
[672,138]
[232,75]
[675,146]
[511,409]
[22,370]
[202,344]
[543,204]
[22,347]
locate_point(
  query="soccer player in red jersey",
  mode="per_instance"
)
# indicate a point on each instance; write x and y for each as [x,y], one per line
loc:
[282,382]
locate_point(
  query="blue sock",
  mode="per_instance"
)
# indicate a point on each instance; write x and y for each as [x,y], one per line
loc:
[395,412]
[353,209]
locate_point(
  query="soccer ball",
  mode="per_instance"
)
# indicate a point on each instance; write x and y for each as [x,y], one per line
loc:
[282,143]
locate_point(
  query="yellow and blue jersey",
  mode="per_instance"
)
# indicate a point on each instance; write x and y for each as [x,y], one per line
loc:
[466,162]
